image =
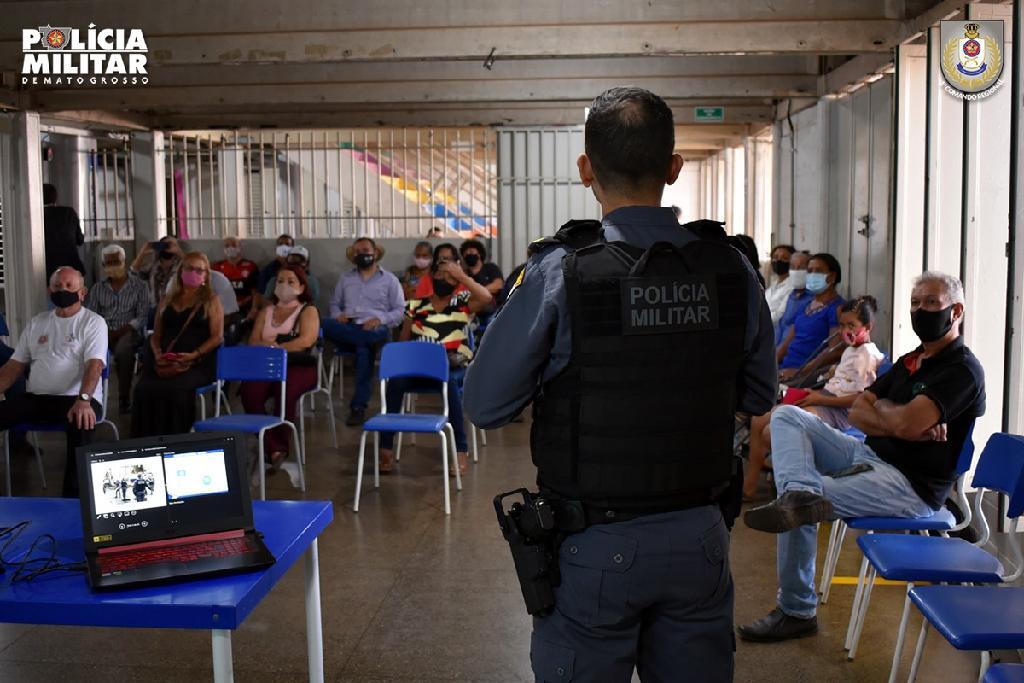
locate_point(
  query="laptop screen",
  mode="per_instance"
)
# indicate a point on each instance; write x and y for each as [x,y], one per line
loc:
[148,489]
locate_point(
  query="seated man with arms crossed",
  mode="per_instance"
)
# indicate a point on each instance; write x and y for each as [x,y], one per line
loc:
[916,416]
[65,350]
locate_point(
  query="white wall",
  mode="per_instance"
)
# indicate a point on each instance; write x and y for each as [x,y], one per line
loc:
[685,192]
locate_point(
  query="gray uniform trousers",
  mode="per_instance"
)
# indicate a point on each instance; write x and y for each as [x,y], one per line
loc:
[653,593]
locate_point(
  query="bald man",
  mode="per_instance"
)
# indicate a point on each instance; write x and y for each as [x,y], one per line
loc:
[66,348]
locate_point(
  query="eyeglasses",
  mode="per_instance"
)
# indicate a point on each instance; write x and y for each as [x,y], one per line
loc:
[194,269]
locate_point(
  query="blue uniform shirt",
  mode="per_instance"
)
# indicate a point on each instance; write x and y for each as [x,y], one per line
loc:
[528,342]
[797,300]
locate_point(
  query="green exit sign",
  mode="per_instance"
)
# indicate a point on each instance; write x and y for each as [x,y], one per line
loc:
[709,114]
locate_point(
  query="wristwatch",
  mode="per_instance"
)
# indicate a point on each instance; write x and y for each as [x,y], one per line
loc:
[84,397]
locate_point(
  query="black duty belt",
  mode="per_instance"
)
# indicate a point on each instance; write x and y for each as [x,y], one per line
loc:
[572,516]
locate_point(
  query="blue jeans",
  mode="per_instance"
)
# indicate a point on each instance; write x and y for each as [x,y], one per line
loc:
[397,388]
[351,337]
[805,451]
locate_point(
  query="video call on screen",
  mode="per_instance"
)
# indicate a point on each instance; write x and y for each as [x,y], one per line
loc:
[147,489]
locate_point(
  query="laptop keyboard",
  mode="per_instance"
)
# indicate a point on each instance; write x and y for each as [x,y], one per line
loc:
[189,552]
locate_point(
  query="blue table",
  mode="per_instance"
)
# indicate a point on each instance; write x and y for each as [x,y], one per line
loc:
[220,604]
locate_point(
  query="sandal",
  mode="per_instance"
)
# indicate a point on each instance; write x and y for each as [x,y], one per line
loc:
[275,460]
[386,462]
[463,460]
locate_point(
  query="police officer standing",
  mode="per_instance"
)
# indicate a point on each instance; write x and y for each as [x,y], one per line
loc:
[636,342]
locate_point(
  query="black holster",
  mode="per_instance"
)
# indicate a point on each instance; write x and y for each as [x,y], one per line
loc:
[530,531]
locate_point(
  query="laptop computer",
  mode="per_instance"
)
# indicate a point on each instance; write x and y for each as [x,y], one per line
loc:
[167,508]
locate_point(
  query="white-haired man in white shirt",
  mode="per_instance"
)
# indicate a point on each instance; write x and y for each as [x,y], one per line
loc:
[66,349]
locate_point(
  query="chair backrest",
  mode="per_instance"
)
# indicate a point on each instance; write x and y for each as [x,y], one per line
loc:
[414,359]
[252,363]
[1001,468]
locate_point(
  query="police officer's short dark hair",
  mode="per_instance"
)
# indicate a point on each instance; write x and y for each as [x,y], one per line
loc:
[474,244]
[833,265]
[630,138]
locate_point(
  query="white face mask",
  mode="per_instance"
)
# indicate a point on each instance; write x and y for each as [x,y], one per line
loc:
[231,252]
[285,293]
[422,263]
[798,278]
[283,250]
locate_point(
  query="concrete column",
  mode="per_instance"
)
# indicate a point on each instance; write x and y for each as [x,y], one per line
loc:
[24,254]
[149,183]
[1013,414]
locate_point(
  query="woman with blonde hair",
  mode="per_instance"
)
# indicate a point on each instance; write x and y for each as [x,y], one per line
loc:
[181,354]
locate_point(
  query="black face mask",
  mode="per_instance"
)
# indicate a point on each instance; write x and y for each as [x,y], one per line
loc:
[62,298]
[471,260]
[363,261]
[166,255]
[780,267]
[931,326]
[442,287]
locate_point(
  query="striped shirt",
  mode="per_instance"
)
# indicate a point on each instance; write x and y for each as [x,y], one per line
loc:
[447,327]
[127,306]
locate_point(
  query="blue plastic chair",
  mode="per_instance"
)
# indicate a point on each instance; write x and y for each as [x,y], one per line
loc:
[410,359]
[980,617]
[322,387]
[1004,673]
[30,429]
[934,559]
[942,521]
[253,364]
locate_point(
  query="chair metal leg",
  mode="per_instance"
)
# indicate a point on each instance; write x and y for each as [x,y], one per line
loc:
[862,615]
[855,607]
[833,532]
[900,636]
[444,473]
[359,471]
[376,460]
[455,456]
[483,437]
[302,422]
[986,661]
[472,431]
[834,559]
[300,454]
[330,415]
[918,652]
[261,467]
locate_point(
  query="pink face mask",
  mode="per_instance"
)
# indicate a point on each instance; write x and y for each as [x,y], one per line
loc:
[852,339]
[191,279]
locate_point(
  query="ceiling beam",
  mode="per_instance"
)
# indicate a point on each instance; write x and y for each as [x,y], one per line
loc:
[624,68]
[226,17]
[212,98]
[511,42]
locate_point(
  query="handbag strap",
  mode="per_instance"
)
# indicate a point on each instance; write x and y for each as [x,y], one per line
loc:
[195,309]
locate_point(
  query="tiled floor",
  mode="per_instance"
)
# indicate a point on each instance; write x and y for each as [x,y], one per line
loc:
[409,594]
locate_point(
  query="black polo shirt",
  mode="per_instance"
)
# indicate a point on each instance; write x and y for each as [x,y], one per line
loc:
[955,382]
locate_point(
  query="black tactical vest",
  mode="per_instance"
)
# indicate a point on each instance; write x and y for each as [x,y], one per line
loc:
[643,415]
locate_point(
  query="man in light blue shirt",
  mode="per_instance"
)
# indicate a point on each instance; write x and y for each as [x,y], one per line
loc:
[367,302]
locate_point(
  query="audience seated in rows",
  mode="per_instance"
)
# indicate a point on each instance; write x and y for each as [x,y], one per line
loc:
[916,417]
[291,322]
[815,323]
[857,370]
[283,247]
[157,266]
[419,269]
[366,304]
[181,354]
[442,318]
[64,351]
[62,234]
[798,298]
[121,298]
